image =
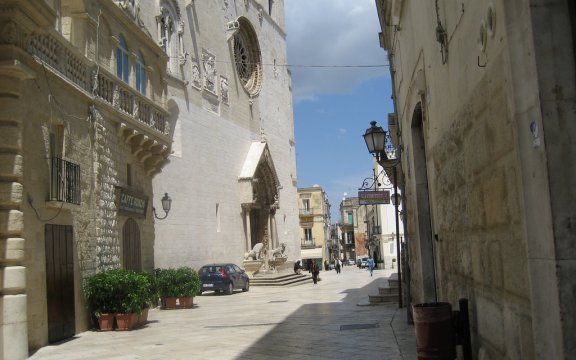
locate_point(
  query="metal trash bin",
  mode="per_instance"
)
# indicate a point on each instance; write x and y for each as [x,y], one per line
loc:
[435,335]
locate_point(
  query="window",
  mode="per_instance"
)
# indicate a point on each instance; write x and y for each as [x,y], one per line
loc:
[122,66]
[350,219]
[248,58]
[351,237]
[306,206]
[141,80]
[308,234]
[170,32]
[129,174]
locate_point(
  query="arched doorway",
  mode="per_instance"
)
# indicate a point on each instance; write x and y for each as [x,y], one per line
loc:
[259,191]
[131,249]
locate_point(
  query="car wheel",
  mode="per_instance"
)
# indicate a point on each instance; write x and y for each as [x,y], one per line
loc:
[247,286]
[230,288]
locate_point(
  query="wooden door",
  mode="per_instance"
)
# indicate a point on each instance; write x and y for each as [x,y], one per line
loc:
[131,258]
[59,281]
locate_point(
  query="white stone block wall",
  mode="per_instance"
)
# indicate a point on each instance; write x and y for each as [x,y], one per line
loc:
[206,222]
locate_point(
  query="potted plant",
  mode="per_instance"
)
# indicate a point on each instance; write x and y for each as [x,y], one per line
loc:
[168,287]
[189,286]
[151,300]
[99,295]
[133,292]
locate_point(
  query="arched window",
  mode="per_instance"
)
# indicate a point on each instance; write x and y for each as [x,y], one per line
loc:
[141,80]
[122,66]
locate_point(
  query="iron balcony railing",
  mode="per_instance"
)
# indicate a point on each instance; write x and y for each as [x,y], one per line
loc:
[65,181]
[308,243]
[306,211]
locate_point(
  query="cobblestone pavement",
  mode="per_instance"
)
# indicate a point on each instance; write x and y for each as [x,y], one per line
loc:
[322,321]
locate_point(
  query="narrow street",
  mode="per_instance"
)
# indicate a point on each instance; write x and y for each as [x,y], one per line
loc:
[322,321]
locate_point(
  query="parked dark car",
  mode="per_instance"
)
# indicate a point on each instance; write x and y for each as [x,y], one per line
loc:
[223,277]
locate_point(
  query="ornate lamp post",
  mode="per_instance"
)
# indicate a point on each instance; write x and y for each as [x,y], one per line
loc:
[381,147]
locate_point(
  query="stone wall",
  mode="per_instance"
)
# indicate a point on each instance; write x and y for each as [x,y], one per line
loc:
[486,230]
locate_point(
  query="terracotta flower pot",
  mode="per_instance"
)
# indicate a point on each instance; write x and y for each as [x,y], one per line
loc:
[106,322]
[169,303]
[126,322]
[186,302]
[143,317]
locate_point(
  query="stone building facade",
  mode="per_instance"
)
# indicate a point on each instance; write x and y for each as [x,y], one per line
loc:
[484,95]
[84,128]
[354,226]
[314,224]
[232,173]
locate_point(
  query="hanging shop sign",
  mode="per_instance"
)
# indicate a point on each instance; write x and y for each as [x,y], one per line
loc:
[374,197]
[130,203]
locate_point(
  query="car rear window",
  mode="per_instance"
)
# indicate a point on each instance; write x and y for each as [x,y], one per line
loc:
[211,269]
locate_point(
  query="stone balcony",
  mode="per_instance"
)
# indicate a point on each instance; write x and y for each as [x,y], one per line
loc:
[141,122]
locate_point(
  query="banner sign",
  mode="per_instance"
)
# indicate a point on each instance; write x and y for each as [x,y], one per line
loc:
[130,203]
[374,197]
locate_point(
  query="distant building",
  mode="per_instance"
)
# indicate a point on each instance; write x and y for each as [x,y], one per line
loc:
[484,95]
[314,224]
[354,228]
[381,224]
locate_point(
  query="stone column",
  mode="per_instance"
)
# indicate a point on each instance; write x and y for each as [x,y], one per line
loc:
[248,232]
[13,312]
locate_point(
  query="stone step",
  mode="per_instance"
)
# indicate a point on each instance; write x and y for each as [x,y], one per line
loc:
[393,283]
[388,290]
[280,280]
[379,299]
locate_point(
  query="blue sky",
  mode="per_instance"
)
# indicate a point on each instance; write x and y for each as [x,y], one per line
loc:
[334,106]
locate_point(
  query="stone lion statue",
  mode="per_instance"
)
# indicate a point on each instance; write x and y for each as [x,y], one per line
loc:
[279,251]
[255,253]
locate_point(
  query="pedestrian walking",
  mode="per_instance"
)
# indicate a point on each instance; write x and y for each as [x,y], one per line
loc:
[370,264]
[315,272]
[337,266]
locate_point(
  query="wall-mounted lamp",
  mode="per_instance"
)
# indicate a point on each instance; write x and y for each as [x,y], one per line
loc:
[380,145]
[166,205]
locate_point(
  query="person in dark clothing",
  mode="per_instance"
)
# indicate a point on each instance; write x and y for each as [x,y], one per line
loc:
[315,272]
[338,267]
[297,267]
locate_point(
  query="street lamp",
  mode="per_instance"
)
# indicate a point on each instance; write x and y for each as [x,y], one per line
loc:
[380,146]
[166,205]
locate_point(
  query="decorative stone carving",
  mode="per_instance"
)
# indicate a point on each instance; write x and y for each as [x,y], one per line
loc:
[224,89]
[252,266]
[196,79]
[209,64]
[279,251]
[9,34]
[255,253]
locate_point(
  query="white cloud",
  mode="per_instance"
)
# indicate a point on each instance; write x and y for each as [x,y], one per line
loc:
[332,32]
